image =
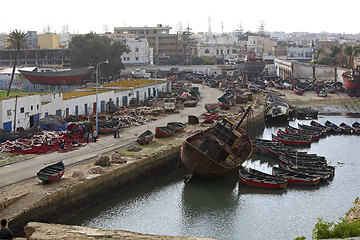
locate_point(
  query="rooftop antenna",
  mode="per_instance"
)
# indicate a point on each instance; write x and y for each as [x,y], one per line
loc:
[222,28]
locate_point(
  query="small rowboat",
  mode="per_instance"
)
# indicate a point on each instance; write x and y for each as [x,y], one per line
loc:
[164,131]
[178,126]
[145,138]
[52,172]
[224,103]
[291,140]
[212,107]
[255,178]
[296,177]
[346,128]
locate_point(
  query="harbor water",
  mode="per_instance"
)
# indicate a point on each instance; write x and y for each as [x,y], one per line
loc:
[225,210]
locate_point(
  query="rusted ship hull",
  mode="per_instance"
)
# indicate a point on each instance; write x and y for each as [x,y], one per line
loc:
[205,155]
[352,82]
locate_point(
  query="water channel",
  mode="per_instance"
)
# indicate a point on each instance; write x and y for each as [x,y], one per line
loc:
[223,210]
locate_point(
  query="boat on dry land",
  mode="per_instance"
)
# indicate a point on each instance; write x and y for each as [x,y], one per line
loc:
[67,77]
[52,173]
[351,80]
[164,131]
[145,138]
[218,150]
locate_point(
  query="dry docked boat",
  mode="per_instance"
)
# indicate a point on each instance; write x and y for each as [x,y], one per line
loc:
[296,177]
[212,107]
[67,77]
[52,172]
[255,178]
[217,150]
[164,131]
[352,81]
[177,126]
[277,111]
[145,138]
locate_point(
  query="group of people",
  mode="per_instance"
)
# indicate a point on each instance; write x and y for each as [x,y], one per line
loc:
[5,232]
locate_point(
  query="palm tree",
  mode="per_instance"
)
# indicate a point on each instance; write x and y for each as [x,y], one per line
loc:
[17,40]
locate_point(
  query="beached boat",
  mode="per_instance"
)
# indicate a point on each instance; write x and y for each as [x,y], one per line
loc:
[296,177]
[255,178]
[224,103]
[217,150]
[277,111]
[145,138]
[178,126]
[52,172]
[351,80]
[67,77]
[164,131]
[212,107]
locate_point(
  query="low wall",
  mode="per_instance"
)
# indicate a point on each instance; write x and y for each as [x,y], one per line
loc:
[84,194]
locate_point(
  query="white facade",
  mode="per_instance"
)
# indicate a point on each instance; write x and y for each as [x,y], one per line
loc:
[300,54]
[31,109]
[219,48]
[139,52]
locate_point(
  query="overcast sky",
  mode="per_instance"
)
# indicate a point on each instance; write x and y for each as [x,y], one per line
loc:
[97,16]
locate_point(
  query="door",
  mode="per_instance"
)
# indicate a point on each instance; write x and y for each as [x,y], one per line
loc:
[76,110]
[124,101]
[67,111]
[85,109]
[137,96]
[7,126]
[117,102]
[94,108]
[102,106]
[58,112]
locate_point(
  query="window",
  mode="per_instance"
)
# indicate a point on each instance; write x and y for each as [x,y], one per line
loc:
[136,58]
[136,49]
[37,107]
[22,110]
[8,112]
[207,51]
[32,107]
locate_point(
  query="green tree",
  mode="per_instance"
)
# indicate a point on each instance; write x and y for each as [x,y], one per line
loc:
[197,61]
[90,49]
[17,40]
[352,52]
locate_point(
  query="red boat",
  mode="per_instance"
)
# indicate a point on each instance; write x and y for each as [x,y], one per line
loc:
[145,138]
[352,81]
[164,131]
[255,178]
[291,141]
[52,173]
[296,177]
[67,77]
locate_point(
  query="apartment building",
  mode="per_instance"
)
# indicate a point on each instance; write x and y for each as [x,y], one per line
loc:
[160,40]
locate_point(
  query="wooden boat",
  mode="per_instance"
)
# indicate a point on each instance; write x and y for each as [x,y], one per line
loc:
[346,128]
[164,131]
[217,150]
[356,127]
[320,130]
[306,166]
[351,80]
[231,97]
[150,101]
[145,138]
[334,128]
[255,178]
[212,107]
[291,140]
[323,175]
[68,77]
[190,103]
[277,111]
[224,103]
[178,126]
[52,172]
[296,177]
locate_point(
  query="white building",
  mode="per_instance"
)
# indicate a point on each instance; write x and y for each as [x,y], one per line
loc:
[219,48]
[139,52]
[27,111]
[300,54]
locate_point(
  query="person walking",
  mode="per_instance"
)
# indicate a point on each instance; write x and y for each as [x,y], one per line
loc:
[118,131]
[5,233]
[94,135]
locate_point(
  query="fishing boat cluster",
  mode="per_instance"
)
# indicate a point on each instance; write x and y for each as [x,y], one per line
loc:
[295,167]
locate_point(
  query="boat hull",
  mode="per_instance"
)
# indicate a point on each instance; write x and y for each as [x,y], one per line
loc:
[69,77]
[52,173]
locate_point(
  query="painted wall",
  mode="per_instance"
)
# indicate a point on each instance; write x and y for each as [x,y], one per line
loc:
[53,104]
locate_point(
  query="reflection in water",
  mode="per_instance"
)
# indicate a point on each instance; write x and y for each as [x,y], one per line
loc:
[210,203]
